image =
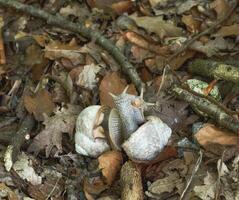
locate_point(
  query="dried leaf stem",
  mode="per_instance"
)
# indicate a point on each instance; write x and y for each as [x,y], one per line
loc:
[62,22]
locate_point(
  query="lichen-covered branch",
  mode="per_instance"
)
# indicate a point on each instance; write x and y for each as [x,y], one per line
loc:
[212,110]
[213,69]
[60,21]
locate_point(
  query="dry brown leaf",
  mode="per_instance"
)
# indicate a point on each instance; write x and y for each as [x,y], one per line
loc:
[210,134]
[122,7]
[157,25]
[2,50]
[114,84]
[157,64]
[94,186]
[143,43]
[36,60]
[221,7]
[139,54]
[232,30]
[192,24]
[51,136]
[110,163]
[55,50]
[39,104]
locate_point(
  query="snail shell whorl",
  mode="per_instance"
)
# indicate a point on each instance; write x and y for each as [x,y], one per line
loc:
[131,116]
[148,140]
[85,143]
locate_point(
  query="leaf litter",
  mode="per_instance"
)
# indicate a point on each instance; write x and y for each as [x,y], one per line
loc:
[52,74]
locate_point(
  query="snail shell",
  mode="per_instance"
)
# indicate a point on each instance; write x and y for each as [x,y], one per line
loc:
[130,115]
[148,140]
[85,142]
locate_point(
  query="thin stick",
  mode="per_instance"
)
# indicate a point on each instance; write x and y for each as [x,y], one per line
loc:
[60,21]
[197,165]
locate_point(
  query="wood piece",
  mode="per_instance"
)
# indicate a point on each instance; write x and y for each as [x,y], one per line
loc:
[212,110]
[131,182]
[213,69]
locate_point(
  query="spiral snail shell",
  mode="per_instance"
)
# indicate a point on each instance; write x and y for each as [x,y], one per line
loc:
[148,140]
[85,142]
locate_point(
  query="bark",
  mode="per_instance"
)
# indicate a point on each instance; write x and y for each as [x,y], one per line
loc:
[131,182]
[216,70]
[212,110]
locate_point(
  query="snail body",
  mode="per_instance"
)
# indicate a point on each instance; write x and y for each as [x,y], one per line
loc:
[131,116]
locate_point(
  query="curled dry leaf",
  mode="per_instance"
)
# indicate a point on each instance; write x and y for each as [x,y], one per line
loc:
[39,104]
[210,134]
[110,163]
[143,43]
[112,83]
[157,25]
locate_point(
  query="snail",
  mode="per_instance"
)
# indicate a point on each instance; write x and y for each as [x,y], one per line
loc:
[125,126]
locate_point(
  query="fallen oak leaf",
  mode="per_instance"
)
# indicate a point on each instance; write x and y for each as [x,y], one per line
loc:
[157,25]
[51,136]
[210,134]
[39,104]
[110,162]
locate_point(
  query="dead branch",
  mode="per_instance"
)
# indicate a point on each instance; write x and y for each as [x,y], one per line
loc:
[18,140]
[62,22]
[211,109]
[213,69]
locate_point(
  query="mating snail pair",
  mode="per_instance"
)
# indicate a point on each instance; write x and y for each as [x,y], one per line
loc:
[99,129]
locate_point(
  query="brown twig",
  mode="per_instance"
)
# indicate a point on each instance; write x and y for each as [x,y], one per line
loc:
[60,21]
